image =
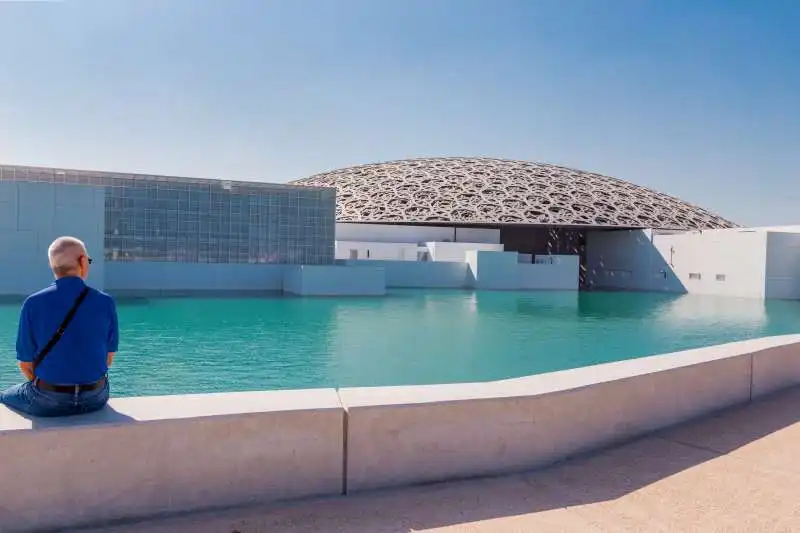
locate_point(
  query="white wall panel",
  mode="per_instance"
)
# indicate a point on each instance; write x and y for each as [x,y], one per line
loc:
[31,218]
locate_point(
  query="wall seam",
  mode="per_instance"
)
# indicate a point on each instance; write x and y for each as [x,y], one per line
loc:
[345,441]
[764,284]
[16,201]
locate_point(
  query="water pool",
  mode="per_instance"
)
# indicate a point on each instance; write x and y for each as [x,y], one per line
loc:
[175,346]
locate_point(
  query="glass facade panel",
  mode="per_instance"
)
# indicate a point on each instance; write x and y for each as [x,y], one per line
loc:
[157,218]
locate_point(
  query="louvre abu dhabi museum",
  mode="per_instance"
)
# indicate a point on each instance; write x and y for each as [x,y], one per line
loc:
[527,207]
[496,192]
[474,223]
[565,228]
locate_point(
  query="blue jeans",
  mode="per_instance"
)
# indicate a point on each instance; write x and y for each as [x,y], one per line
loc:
[33,401]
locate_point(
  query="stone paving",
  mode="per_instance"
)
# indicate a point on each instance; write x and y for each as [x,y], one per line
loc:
[733,472]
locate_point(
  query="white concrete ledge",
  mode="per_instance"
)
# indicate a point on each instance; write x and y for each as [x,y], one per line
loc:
[334,280]
[776,366]
[145,456]
[405,435]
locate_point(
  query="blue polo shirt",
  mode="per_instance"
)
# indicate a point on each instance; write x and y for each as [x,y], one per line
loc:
[80,356]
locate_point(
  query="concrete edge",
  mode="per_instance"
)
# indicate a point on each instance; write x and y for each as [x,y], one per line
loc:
[560,381]
[171,408]
[778,358]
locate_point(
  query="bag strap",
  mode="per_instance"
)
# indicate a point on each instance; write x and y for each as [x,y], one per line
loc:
[60,331]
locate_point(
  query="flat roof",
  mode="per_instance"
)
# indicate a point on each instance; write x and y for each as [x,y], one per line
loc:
[499,225]
[78,176]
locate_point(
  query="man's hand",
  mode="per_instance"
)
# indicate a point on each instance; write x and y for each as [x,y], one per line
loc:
[27,370]
[110,359]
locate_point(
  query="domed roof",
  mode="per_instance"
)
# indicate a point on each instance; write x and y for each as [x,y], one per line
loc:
[496,191]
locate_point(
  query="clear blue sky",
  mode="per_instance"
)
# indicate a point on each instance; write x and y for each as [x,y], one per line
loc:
[698,98]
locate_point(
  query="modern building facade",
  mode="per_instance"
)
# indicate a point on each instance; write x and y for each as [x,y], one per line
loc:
[159,234]
[161,218]
[740,262]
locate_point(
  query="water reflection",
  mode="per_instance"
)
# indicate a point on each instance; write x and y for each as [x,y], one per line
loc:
[530,304]
[623,305]
[706,311]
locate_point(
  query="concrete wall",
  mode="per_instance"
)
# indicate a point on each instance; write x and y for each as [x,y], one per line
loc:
[503,271]
[387,251]
[499,270]
[144,456]
[482,270]
[729,263]
[403,251]
[32,215]
[718,262]
[334,280]
[164,278]
[141,278]
[549,272]
[457,251]
[419,274]
[413,234]
[783,265]
[492,270]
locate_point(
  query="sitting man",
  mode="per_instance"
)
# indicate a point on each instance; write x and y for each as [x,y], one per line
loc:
[67,338]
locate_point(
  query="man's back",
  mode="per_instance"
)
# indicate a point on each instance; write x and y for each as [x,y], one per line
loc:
[70,378]
[81,354]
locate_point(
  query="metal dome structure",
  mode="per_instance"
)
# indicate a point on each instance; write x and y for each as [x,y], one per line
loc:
[482,191]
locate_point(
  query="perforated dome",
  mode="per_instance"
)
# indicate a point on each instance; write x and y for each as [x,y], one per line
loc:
[496,191]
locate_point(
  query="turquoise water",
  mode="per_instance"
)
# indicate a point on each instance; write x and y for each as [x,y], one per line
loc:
[173,346]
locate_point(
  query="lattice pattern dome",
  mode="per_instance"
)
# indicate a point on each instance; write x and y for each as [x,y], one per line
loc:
[496,191]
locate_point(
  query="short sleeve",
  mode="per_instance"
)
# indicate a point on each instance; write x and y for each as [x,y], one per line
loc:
[26,345]
[113,330]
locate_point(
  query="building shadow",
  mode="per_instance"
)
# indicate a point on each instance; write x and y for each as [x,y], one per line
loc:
[630,260]
[608,474]
[107,415]
[602,476]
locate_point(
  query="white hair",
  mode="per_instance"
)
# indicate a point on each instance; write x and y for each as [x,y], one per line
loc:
[64,255]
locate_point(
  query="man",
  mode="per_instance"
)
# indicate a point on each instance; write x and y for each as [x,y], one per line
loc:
[66,372]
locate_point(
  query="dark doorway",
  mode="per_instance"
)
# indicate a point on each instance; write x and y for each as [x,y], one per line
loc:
[538,240]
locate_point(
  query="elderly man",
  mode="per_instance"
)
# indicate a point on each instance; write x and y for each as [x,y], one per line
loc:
[66,341]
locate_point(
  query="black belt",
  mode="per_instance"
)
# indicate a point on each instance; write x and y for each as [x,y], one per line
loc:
[76,389]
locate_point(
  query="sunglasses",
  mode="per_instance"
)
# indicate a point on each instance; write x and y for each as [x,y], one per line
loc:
[88,259]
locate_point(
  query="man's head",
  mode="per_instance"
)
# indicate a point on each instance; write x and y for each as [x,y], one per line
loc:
[68,257]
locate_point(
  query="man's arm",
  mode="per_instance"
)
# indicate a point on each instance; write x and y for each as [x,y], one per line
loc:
[26,345]
[27,370]
[113,336]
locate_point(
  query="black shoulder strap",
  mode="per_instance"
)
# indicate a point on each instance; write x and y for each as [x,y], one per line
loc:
[60,331]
